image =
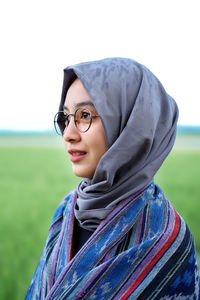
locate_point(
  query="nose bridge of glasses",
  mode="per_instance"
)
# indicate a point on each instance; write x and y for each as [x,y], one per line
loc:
[68,119]
[70,125]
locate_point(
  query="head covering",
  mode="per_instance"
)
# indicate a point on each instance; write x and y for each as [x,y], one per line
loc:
[139,120]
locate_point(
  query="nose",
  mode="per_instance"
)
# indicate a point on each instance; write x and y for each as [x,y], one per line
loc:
[71,133]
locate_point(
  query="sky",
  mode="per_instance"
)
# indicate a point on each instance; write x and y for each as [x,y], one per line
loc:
[39,38]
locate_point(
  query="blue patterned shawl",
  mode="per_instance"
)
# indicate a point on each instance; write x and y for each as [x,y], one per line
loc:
[142,250]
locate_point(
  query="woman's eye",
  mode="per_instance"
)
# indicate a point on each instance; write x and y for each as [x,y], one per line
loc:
[85,115]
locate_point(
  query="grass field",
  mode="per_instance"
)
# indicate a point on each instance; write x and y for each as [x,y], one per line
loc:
[35,176]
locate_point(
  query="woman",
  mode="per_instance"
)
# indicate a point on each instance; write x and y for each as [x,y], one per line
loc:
[116,236]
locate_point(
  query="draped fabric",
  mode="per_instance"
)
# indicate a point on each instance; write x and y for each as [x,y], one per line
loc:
[139,120]
[142,250]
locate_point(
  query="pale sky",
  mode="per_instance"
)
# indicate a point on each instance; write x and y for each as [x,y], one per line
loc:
[39,38]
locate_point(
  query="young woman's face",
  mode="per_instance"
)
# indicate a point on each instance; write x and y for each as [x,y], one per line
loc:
[85,149]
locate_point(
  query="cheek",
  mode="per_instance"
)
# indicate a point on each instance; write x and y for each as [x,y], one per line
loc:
[98,143]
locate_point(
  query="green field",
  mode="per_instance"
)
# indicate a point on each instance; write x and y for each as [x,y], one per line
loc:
[36,175]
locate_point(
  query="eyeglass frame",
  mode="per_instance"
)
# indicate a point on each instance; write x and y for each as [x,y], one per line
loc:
[75,121]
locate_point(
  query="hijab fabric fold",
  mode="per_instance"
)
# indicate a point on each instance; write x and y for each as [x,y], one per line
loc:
[139,120]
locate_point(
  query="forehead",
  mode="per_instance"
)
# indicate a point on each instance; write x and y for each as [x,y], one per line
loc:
[76,94]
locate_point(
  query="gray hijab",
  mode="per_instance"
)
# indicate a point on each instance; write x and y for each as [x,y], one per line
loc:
[139,120]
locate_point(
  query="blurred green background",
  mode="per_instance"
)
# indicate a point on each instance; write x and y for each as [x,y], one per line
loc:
[35,176]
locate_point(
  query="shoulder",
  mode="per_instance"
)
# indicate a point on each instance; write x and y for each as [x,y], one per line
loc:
[64,204]
[164,221]
[166,234]
[174,245]
[171,264]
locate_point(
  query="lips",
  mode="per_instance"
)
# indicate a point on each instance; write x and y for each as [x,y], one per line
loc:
[76,155]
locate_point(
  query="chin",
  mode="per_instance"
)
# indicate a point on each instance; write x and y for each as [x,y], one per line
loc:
[83,173]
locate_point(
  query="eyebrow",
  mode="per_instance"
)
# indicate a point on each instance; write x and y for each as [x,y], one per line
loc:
[80,104]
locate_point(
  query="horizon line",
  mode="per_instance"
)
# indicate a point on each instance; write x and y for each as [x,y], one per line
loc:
[51,130]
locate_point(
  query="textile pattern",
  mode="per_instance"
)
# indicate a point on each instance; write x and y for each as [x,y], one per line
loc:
[142,250]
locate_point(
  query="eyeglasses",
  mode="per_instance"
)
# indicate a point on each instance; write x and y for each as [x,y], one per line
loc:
[82,120]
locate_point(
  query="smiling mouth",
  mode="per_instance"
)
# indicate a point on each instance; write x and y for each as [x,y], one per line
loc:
[78,153]
[76,156]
